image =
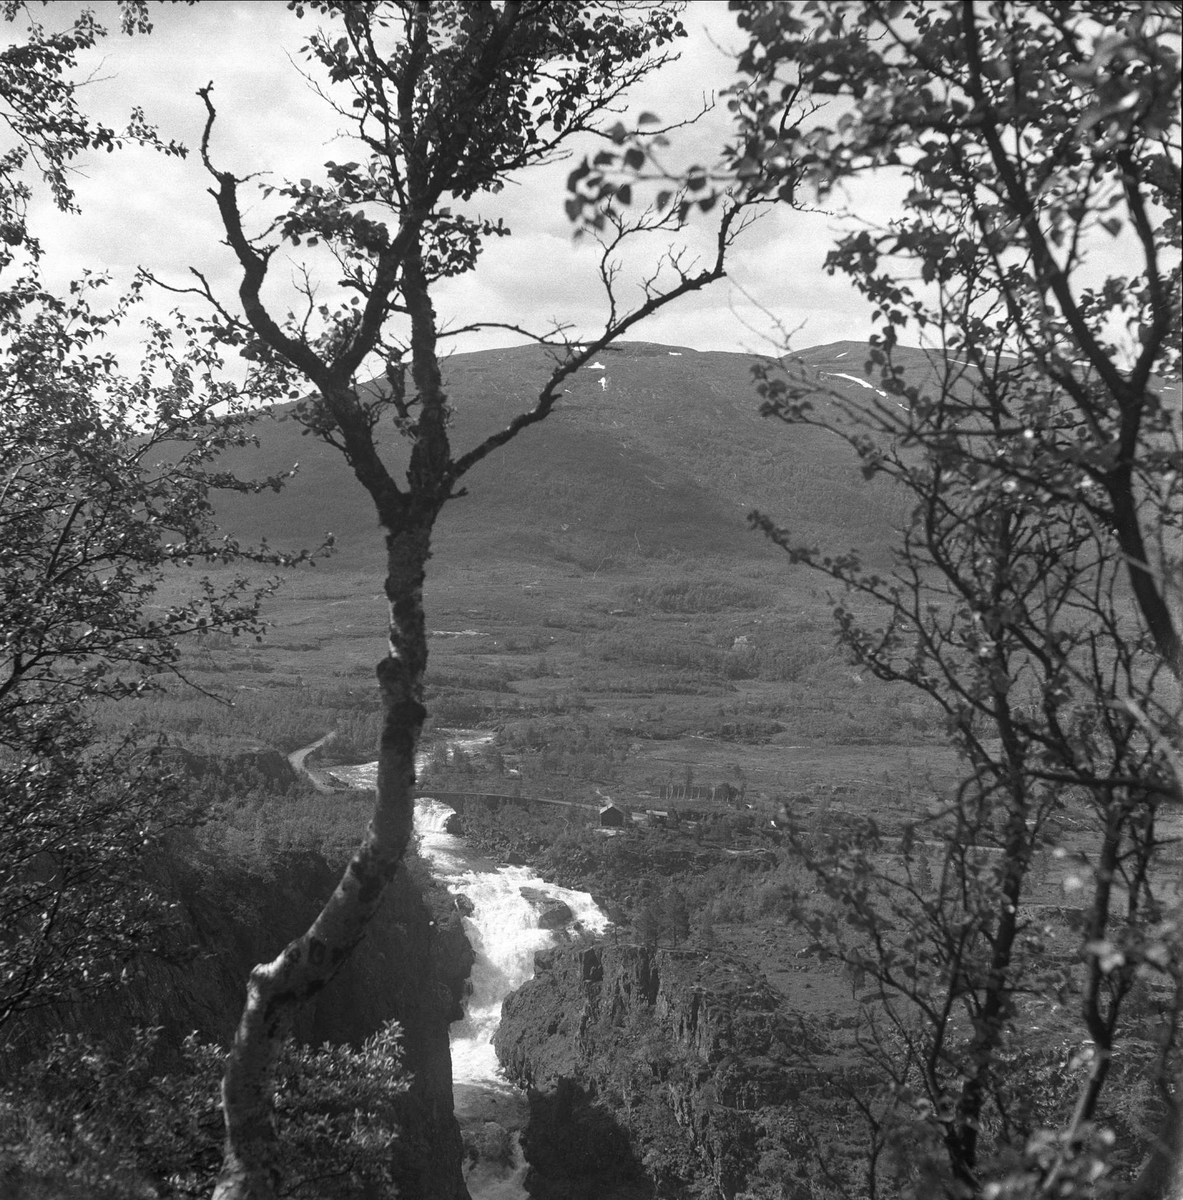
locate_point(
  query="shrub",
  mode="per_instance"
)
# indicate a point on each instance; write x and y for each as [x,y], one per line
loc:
[700,595]
[109,1123]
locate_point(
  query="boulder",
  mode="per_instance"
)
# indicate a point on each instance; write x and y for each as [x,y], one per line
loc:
[552,913]
[556,916]
[489,1142]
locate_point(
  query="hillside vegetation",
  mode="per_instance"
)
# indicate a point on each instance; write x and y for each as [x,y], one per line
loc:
[660,452]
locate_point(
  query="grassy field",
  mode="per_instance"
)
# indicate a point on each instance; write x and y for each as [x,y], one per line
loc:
[598,599]
[597,603]
[623,681]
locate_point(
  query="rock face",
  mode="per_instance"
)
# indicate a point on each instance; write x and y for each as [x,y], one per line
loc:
[453,960]
[681,1060]
[412,967]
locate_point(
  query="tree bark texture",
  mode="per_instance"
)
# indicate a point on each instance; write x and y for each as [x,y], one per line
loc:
[276,989]
[251,1163]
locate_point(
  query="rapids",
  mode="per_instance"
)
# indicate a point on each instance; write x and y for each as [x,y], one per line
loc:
[504,933]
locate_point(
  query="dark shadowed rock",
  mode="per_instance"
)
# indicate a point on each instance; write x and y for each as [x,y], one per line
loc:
[557,916]
[579,1149]
[552,913]
[719,1049]
[454,958]
[412,966]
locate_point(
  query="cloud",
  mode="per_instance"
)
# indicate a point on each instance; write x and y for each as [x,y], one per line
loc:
[142,208]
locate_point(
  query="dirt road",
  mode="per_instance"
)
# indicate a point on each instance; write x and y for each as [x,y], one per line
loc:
[319,779]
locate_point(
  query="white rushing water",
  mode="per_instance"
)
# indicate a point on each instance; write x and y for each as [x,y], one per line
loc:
[503,930]
[504,933]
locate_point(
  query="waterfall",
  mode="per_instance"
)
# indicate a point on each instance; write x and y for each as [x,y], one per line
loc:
[503,929]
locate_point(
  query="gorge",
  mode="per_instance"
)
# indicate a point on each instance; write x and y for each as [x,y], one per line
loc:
[509,915]
[594,1070]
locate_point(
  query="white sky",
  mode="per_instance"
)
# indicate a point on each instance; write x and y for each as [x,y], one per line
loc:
[141,208]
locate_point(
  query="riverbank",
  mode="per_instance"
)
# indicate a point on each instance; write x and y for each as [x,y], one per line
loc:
[320,779]
[510,914]
[661,1072]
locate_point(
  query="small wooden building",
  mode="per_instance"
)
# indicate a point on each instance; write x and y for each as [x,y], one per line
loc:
[612,817]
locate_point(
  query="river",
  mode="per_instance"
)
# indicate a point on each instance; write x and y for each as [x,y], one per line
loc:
[504,932]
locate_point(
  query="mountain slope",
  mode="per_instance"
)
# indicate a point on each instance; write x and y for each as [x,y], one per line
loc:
[654,450]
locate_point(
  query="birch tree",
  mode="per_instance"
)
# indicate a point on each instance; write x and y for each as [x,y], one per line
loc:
[446,101]
[1035,595]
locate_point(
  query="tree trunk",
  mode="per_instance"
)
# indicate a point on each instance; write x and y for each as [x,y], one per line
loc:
[250,1169]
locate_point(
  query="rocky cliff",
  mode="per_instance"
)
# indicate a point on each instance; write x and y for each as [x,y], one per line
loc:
[411,966]
[672,1073]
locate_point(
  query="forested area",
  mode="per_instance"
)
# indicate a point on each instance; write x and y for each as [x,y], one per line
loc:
[1017,647]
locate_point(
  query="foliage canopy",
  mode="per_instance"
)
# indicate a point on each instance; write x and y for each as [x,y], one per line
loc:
[105,483]
[1033,596]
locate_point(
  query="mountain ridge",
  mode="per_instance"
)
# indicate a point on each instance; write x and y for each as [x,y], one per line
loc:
[652,451]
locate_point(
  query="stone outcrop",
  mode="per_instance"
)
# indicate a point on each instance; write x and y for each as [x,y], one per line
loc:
[552,913]
[453,959]
[686,1055]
